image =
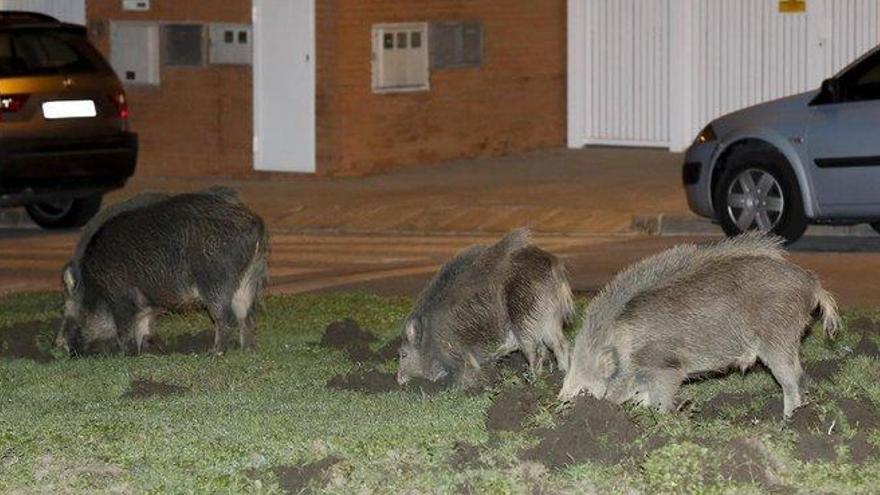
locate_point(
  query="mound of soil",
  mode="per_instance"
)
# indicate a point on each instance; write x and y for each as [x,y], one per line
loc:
[821,447]
[391,349]
[746,462]
[511,408]
[592,430]
[141,389]
[21,341]
[819,371]
[347,336]
[464,455]
[376,382]
[295,479]
[858,414]
[870,331]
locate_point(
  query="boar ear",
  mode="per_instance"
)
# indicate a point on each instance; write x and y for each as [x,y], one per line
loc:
[412,333]
[67,277]
[608,363]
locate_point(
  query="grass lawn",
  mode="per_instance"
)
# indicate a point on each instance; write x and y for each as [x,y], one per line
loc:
[266,421]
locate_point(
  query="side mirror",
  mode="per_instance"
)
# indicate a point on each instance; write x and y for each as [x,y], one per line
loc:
[831,90]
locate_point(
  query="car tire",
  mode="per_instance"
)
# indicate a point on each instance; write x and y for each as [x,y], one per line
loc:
[758,190]
[66,213]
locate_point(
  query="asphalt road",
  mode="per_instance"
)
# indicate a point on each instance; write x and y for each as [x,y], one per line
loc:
[401,264]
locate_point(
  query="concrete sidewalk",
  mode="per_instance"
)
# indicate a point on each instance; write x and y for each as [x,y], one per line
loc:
[559,191]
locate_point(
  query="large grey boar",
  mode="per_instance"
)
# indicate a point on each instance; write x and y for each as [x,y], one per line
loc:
[157,252]
[698,309]
[486,302]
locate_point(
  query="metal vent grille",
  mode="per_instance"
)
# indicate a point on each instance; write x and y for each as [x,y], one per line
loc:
[456,45]
[183,45]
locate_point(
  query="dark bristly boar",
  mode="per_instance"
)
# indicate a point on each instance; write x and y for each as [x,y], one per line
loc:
[156,253]
[486,302]
[691,310]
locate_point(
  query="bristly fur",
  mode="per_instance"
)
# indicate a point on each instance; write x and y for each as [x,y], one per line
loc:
[486,302]
[694,309]
[665,268]
[158,252]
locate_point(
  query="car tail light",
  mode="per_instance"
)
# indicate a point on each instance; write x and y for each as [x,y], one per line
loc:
[120,103]
[12,103]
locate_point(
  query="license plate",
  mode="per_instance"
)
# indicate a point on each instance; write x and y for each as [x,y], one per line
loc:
[69,109]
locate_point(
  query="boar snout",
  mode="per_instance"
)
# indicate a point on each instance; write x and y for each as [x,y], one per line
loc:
[402,378]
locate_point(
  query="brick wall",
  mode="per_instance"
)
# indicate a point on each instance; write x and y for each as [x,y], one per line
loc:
[199,120]
[515,102]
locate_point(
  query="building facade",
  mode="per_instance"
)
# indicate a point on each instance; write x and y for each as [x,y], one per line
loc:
[197,116]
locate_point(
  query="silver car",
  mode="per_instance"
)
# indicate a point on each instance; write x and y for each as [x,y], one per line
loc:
[809,158]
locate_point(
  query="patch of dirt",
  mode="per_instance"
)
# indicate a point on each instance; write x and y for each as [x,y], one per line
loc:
[511,408]
[22,341]
[347,336]
[376,382]
[858,414]
[718,406]
[592,430]
[746,462]
[295,479]
[391,349]
[772,409]
[819,371]
[867,347]
[821,447]
[860,450]
[806,420]
[188,343]
[867,328]
[818,447]
[141,389]
[464,455]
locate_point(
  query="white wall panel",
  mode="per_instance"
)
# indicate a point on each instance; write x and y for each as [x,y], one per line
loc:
[620,76]
[653,72]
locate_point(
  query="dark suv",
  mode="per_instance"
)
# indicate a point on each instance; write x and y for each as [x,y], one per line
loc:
[64,136]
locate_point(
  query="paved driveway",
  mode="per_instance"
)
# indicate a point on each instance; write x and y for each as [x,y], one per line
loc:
[401,264]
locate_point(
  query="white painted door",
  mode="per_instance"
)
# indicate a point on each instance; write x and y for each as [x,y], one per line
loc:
[64,10]
[284,85]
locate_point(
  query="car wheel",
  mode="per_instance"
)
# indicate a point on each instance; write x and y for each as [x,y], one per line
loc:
[64,213]
[759,191]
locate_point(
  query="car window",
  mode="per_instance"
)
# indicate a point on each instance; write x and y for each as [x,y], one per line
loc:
[44,53]
[863,81]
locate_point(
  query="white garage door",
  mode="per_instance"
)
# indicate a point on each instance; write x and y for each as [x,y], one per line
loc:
[653,73]
[65,10]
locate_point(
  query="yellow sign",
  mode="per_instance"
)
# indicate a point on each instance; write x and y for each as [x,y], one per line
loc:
[792,6]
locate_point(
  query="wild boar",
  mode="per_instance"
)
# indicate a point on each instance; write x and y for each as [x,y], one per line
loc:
[691,310]
[488,301]
[156,253]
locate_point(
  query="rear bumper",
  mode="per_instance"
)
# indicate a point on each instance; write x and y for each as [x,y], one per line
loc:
[37,170]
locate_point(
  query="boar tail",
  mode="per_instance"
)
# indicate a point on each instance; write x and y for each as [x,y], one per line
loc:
[828,307]
[566,298]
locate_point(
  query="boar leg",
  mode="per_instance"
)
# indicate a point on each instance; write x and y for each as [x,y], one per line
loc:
[224,319]
[656,387]
[535,353]
[554,339]
[786,368]
[143,322]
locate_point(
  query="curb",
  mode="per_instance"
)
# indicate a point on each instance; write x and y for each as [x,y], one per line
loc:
[673,225]
[16,218]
